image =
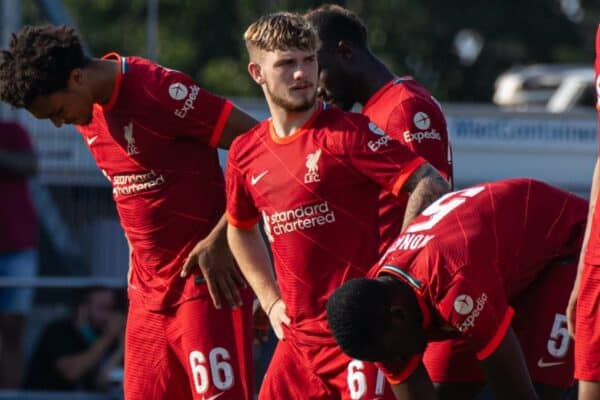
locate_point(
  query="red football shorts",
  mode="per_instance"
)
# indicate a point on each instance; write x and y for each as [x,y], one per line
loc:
[191,351]
[311,372]
[541,326]
[587,325]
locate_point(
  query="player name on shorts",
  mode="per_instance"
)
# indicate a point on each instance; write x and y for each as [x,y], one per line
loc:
[136,183]
[189,102]
[301,218]
[420,136]
[469,322]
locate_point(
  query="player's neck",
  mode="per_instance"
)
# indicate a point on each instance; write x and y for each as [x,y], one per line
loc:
[375,77]
[286,123]
[103,77]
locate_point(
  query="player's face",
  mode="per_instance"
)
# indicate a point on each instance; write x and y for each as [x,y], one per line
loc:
[63,107]
[334,86]
[403,339]
[290,78]
[71,105]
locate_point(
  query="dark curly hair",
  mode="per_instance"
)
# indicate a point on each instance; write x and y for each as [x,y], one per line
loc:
[334,23]
[38,62]
[357,313]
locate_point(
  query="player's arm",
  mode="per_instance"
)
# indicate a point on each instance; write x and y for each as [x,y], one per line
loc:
[418,386]
[248,247]
[590,218]
[506,370]
[424,186]
[238,122]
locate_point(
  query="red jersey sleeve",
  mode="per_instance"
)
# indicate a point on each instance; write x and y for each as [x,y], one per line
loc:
[241,209]
[384,160]
[421,126]
[184,108]
[478,308]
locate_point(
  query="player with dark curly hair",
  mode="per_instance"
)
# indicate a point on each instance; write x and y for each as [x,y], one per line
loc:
[153,132]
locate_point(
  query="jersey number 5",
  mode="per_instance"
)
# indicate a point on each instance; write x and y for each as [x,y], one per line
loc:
[442,207]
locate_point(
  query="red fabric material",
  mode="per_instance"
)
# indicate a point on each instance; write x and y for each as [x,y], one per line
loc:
[475,251]
[317,192]
[407,112]
[154,145]
[161,348]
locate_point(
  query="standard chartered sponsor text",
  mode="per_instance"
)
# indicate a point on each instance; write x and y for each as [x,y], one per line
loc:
[136,183]
[301,218]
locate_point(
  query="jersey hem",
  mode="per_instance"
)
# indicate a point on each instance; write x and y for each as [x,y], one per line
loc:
[405,174]
[498,336]
[247,224]
[411,366]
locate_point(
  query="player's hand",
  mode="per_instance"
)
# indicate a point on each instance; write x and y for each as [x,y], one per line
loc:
[571,310]
[214,259]
[261,325]
[277,316]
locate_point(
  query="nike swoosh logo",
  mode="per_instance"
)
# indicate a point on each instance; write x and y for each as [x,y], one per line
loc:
[214,397]
[543,364]
[91,140]
[254,180]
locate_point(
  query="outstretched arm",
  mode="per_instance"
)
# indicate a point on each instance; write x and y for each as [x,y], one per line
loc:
[425,186]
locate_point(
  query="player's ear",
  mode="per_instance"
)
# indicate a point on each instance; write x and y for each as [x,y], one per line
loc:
[345,50]
[75,78]
[256,72]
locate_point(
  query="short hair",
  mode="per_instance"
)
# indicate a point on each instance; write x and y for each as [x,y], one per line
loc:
[334,23]
[280,31]
[357,313]
[38,62]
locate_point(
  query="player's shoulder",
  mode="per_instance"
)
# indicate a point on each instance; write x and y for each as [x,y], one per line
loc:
[246,143]
[337,121]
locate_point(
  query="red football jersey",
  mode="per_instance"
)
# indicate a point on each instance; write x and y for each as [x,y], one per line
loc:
[317,192]
[472,252]
[592,253]
[410,114]
[155,141]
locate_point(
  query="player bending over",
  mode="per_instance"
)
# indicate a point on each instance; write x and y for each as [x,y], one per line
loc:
[473,292]
[153,132]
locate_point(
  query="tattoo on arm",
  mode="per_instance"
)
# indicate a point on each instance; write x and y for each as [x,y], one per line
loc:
[425,186]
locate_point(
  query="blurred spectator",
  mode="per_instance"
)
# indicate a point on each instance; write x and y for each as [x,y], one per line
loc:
[80,352]
[18,241]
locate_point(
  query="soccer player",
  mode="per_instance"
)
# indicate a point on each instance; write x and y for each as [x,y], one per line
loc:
[583,311]
[473,291]
[313,172]
[153,132]
[350,73]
